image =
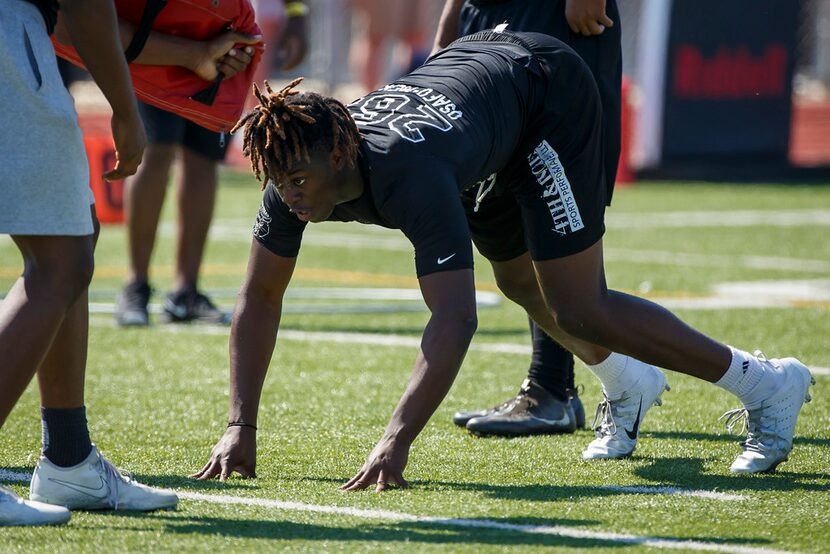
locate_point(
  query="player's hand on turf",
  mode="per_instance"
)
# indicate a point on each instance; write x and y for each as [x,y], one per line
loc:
[225,54]
[383,468]
[235,451]
[129,139]
[587,17]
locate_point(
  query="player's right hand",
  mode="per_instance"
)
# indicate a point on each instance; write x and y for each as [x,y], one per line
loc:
[587,17]
[235,451]
[130,141]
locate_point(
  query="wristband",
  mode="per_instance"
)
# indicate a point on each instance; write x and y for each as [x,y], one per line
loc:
[296,9]
[241,424]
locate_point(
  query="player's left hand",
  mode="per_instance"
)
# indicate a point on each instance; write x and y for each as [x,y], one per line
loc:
[383,468]
[225,54]
[587,17]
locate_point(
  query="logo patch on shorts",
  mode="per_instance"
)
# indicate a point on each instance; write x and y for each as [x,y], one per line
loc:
[262,225]
[556,189]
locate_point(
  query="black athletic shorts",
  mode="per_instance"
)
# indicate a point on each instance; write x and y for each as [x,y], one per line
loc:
[165,127]
[602,53]
[550,198]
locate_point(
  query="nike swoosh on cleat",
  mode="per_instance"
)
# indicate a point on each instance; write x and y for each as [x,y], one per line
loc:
[82,488]
[633,433]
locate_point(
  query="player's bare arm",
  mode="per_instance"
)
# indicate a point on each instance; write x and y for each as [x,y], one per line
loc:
[450,297]
[91,26]
[253,335]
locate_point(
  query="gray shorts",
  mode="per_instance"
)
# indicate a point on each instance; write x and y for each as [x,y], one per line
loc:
[44,178]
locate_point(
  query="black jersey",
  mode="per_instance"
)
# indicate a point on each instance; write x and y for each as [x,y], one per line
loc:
[454,122]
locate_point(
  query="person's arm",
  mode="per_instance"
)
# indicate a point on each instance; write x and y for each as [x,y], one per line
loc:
[447,25]
[253,335]
[293,42]
[93,28]
[205,58]
[587,17]
[450,297]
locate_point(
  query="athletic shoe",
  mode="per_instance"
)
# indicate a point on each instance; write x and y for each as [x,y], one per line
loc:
[534,411]
[16,511]
[131,308]
[617,422]
[461,418]
[187,305]
[770,427]
[579,409]
[95,484]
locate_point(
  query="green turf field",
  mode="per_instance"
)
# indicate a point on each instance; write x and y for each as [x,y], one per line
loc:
[157,398]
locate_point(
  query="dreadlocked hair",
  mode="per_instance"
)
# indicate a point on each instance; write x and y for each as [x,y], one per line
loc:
[288,125]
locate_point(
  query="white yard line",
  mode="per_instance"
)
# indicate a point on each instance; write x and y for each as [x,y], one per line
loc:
[712,495]
[378,339]
[552,530]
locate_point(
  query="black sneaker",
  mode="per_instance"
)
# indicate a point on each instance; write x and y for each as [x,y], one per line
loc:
[579,410]
[131,308]
[461,418]
[187,305]
[534,411]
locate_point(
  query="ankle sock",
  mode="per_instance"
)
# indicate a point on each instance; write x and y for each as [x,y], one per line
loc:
[65,435]
[618,373]
[751,380]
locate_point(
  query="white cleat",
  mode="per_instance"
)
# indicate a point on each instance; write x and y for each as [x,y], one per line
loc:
[770,427]
[617,422]
[16,511]
[95,484]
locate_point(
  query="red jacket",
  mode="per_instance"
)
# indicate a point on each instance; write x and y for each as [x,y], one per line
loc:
[173,88]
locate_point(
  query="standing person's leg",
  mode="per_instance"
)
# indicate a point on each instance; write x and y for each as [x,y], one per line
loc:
[143,199]
[202,150]
[541,406]
[195,199]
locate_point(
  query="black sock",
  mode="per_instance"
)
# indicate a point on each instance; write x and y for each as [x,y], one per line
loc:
[65,435]
[551,365]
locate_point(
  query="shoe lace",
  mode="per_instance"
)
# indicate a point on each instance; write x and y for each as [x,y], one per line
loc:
[604,423]
[114,478]
[751,424]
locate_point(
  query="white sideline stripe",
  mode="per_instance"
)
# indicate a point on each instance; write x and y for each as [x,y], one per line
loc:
[712,495]
[378,339]
[555,530]
[14,476]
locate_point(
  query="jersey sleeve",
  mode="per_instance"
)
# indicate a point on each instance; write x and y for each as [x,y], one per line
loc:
[276,228]
[427,207]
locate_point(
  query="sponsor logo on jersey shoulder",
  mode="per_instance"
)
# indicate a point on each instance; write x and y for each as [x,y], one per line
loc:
[556,189]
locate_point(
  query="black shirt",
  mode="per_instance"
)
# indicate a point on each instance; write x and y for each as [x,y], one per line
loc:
[441,129]
[49,10]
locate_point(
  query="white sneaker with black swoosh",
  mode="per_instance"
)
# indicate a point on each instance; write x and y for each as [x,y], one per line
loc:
[95,484]
[617,422]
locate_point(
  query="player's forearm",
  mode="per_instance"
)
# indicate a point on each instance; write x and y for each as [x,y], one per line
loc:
[92,27]
[447,25]
[444,344]
[253,336]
